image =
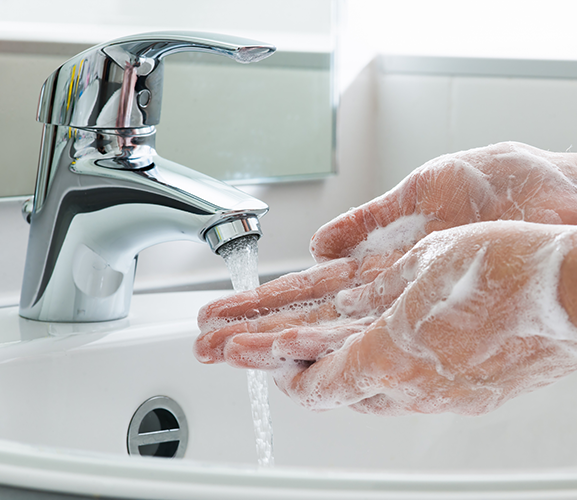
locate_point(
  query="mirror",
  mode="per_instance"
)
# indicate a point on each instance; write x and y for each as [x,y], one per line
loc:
[273,120]
[265,122]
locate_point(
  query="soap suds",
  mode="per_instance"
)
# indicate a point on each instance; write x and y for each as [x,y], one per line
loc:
[458,290]
[514,343]
[542,291]
[404,232]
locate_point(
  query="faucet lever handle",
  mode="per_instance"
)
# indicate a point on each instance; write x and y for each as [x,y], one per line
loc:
[156,45]
[118,84]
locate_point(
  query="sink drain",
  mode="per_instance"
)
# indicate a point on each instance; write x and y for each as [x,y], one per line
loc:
[158,429]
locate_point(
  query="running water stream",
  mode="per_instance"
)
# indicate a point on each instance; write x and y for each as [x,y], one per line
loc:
[241,257]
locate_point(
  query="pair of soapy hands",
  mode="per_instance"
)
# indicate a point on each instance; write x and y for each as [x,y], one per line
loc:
[444,294]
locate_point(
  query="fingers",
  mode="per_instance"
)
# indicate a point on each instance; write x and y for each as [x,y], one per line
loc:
[210,346]
[333,381]
[313,285]
[252,351]
[449,191]
[338,238]
[383,405]
[374,264]
[314,318]
[270,351]
[375,297]
[295,300]
[314,343]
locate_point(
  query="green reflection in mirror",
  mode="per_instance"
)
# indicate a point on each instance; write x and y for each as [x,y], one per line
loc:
[269,121]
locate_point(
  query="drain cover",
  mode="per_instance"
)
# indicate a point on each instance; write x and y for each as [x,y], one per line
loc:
[158,429]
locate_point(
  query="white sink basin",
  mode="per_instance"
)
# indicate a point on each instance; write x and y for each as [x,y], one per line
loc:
[68,393]
[78,385]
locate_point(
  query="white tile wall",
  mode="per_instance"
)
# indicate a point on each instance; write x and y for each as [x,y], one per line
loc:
[539,111]
[422,116]
[412,124]
[239,122]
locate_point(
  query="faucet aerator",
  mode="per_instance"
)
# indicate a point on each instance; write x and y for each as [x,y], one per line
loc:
[227,231]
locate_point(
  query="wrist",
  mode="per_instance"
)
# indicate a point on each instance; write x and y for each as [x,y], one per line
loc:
[568,284]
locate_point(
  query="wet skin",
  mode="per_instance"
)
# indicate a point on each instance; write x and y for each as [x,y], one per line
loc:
[438,323]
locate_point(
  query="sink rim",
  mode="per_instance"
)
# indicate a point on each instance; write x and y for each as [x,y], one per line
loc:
[89,473]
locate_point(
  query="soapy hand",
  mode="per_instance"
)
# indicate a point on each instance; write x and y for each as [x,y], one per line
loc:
[391,325]
[464,321]
[505,181]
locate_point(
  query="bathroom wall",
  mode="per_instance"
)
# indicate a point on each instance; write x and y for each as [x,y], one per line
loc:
[396,112]
[428,106]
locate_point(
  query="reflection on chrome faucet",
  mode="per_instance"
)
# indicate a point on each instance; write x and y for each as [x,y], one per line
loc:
[103,194]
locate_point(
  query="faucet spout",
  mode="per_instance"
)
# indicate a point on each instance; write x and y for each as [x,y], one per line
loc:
[108,196]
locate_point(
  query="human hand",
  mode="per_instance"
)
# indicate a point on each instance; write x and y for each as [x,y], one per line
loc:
[508,181]
[466,320]
[505,181]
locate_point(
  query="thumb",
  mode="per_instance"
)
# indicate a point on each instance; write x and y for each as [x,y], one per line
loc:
[327,383]
[339,237]
[375,297]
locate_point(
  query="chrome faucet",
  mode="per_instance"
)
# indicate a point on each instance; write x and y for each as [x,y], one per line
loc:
[103,194]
